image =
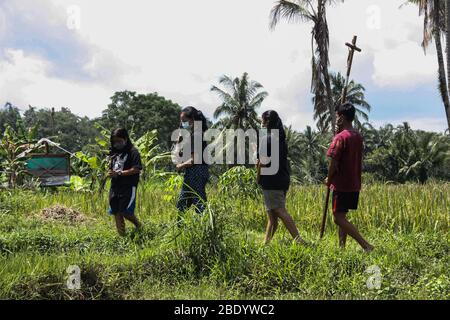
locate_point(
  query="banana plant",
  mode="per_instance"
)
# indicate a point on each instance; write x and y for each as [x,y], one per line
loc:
[93,162]
[151,153]
[14,145]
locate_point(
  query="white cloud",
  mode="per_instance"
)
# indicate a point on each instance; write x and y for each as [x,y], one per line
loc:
[397,67]
[2,24]
[40,28]
[427,124]
[25,81]
[392,46]
[180,48]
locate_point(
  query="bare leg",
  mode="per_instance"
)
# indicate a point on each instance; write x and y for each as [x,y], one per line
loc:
[272,225]
[341,220]
[133,219]
[290,224]
[342,237]
[120,224]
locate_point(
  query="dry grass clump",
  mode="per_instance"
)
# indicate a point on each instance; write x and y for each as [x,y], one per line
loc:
[59,213]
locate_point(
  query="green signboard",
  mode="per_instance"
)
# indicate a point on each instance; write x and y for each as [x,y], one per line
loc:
[50,169]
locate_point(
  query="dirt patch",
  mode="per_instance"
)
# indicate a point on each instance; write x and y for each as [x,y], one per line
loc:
[64,214]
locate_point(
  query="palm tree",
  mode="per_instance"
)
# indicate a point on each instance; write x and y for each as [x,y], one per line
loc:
[240,99]
[447,15]
[294,142]
[307,155]
[433,12]
[311,142]
[355,96]
[427,152]
[408,155]
[306,11]
[375,139]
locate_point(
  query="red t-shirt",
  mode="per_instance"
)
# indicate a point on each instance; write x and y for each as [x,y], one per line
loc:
[346,149]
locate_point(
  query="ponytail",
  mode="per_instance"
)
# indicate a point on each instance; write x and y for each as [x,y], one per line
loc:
[202,118]
[274,122]
[196,115]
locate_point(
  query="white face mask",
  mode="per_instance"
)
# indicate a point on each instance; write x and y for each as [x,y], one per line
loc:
[185,125]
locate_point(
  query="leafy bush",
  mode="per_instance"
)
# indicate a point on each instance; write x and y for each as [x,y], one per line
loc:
[239,182]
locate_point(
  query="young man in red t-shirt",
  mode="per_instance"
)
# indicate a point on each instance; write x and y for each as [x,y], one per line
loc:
[344,175]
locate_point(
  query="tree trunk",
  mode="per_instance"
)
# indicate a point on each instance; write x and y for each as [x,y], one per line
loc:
[447,8]
[324,60]
[442,76]
[330,100]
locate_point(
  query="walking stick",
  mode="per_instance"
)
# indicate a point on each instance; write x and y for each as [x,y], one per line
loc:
[352,48]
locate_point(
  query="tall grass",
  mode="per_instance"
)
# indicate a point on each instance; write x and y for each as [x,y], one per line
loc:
[220,254]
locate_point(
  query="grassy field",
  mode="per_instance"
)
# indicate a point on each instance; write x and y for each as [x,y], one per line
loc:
[220,255]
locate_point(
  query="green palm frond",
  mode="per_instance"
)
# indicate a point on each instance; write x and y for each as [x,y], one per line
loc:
[291,11]
[240,99]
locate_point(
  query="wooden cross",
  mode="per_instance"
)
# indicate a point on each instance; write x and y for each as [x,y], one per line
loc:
[352,48]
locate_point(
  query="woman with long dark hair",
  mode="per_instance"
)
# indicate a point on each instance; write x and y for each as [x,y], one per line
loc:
[275,186]
[124,171]
[196,172]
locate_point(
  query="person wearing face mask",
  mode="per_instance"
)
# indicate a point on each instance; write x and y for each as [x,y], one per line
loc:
[124,171]
[275,186]
[196,173]
[344,174]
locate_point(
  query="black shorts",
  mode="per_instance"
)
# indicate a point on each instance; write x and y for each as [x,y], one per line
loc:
[345,201]
[122,200]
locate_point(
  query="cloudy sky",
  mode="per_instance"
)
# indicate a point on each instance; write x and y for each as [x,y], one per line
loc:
[77,53]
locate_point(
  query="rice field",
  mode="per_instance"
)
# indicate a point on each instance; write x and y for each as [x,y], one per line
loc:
[221,255]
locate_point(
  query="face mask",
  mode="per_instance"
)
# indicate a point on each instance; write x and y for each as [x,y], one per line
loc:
[185,125]
[119,145]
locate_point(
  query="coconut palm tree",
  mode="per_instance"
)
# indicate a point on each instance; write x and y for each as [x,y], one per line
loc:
[427,152]
[447,15]
[311,143]
[433,12]
[375,139]
[294,142]
[313,11]
[355,95]
[408,155]
[241,97]
[310,164]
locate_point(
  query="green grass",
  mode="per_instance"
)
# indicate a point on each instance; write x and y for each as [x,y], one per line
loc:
[220,255]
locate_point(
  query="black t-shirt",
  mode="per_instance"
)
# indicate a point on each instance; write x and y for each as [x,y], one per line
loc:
[126,160]
[280,180]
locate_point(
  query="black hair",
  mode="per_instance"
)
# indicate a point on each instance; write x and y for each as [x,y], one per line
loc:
[347,110]
[123,134]
[196,115]
[274,122]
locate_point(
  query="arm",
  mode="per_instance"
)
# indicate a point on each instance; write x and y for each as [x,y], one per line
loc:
[124,173]
[190,162]
[186,164]
[334,153]
[130,172]
[332,170]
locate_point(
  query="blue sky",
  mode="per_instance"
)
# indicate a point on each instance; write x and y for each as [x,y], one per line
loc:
[415,103]
[180,49]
